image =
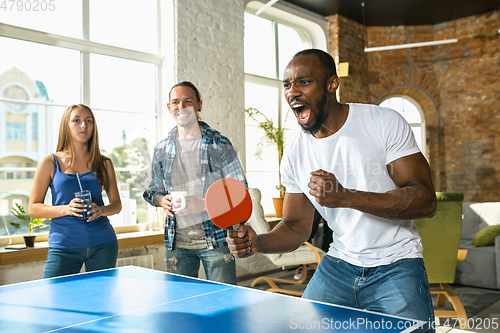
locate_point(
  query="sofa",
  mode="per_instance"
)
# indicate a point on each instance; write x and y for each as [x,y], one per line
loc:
[480,226]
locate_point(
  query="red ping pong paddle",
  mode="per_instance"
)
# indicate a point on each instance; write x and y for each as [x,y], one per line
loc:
[228,203]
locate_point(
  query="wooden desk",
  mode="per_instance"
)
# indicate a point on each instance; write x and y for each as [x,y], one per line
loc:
[39,252]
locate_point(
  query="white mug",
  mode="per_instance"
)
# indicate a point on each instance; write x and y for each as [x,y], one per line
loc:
[176,195]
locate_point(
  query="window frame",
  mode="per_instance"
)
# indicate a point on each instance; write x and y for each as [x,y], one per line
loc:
[87,47]
[420,125]
[312,29]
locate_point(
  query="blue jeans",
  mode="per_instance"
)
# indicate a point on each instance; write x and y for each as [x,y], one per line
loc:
[218,263]
[69,261]
[399,289]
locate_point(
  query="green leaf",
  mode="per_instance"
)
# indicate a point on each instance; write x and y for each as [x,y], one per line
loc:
[37,221]
[20,213]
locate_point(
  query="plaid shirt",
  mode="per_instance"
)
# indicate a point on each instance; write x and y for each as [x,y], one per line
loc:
[218,160]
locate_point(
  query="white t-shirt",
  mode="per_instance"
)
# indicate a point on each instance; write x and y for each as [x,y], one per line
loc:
[358,155]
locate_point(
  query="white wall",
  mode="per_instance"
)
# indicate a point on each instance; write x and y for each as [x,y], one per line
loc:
[209,53]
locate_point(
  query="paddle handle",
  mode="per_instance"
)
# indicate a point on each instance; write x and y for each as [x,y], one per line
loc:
[236,226]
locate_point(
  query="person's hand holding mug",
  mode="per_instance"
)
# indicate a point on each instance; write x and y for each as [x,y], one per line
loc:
[172,202]
[193,205]
[178,199]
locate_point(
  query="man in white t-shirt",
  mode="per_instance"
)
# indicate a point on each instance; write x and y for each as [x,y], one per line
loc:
[360,167]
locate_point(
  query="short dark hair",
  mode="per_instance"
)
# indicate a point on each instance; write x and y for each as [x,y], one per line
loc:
[326,60]
[186,84]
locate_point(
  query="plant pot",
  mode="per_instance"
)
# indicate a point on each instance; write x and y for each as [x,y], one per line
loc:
[278,206]
[29,241]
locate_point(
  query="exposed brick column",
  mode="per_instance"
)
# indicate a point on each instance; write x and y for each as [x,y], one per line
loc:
[346,44]
[209,53]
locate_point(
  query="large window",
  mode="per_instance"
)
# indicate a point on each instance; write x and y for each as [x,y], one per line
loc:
[269,45]
[412,112]
[80,51]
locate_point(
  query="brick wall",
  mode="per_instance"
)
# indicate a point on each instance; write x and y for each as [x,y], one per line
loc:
[346,44]
[457,86]
[209,53]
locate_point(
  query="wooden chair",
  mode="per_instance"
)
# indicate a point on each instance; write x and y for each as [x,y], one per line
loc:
[306,255]
[441,239]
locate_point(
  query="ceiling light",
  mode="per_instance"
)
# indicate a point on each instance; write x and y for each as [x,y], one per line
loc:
[266,6]
[344,69]
[410,45]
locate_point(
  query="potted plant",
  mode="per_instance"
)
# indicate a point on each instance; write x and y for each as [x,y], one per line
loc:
[19,212]
[273,136]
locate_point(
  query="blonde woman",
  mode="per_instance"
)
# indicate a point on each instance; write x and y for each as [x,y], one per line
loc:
[73,240]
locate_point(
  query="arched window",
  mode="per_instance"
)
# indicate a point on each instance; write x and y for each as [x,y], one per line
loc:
[413,114]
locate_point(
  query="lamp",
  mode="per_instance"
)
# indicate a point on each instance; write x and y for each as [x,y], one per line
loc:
[408,45]
[344,69]
[266,6]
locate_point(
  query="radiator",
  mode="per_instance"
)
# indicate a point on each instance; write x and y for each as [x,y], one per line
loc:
[141,261]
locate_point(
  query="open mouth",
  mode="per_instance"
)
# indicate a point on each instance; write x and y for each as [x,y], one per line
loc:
[302,112]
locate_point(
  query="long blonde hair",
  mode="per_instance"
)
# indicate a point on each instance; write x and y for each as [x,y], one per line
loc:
[97,160]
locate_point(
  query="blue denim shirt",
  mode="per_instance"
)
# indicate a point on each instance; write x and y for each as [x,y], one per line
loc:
[218,160]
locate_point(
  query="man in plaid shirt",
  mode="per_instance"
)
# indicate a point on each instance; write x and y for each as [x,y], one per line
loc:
[190,159]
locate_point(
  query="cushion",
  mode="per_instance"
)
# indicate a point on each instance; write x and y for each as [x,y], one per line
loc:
[471,223]
[258,220]
[449,196]
[486,236]
[490,213]
[477,268]
[478,216]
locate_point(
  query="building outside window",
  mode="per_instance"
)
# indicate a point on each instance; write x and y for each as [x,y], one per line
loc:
[15,131]
[34,126]
[81,52]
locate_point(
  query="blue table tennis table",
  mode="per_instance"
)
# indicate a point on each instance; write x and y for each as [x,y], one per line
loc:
[134,299]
